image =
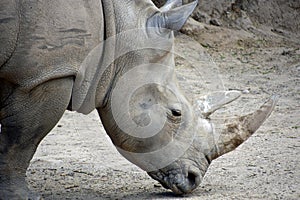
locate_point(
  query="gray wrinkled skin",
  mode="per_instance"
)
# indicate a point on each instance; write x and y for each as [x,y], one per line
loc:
[53,56]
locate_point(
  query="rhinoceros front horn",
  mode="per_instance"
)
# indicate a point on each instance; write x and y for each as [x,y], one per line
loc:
[235,132]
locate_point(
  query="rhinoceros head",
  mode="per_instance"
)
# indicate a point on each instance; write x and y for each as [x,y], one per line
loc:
[148,118]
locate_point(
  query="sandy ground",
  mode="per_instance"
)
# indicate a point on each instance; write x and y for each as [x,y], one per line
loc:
[78,161]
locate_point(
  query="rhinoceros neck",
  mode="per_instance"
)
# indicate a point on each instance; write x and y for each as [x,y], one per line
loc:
[123,24]
[92,85]
[95,73]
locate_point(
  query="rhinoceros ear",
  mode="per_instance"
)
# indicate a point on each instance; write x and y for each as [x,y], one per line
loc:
[175,18]
[170,17]
[170,4]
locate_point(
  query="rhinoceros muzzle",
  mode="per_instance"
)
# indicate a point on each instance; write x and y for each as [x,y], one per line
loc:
[181,180]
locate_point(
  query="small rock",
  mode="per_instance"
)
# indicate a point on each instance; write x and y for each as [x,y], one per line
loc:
[245,91]
[157,185]
[287,52]
[201,17]
[215,22]
[192,26]
[71,186]
[276,30]
[104,178]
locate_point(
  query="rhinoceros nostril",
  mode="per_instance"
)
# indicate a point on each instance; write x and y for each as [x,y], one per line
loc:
[179,183]
[192,179]
[188,184]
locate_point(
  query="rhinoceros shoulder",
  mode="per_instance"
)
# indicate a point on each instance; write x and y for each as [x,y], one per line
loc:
[53,39]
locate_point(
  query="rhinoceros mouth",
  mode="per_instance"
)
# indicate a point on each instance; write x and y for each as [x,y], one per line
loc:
[180,180]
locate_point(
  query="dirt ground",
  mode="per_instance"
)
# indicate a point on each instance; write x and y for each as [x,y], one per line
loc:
[78,161]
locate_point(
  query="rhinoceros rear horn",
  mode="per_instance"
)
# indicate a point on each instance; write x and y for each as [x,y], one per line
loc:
[239,130]
[172,15]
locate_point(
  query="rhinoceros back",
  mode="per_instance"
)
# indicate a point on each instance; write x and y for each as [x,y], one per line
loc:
[9,21]
[50,39]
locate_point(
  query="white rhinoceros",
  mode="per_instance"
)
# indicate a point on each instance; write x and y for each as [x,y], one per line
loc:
[116,57]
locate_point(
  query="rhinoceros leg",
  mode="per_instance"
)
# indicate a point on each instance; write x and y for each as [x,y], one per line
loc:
[26,118]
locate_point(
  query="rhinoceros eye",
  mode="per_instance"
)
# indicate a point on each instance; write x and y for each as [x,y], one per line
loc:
[176,112]
[174,115]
